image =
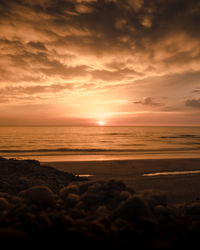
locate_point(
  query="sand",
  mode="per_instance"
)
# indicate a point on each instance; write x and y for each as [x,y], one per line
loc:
[178,187]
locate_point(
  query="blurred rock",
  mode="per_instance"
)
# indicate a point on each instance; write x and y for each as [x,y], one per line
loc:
[71,199]
[124,195]
[161,210]
[74,189]
[154,198]
[41,195]
[17,175]
[4,204]
[54,210]
[192,209]
[102,211]
[133,209]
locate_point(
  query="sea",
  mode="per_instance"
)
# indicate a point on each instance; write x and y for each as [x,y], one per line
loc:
[64,143]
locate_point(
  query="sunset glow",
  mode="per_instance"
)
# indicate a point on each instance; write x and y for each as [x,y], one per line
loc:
[101,123]
[69,62]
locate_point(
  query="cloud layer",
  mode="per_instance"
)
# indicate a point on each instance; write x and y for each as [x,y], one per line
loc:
[72,51]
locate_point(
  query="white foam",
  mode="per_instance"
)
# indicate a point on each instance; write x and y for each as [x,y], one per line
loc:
[173,173]
[84,175]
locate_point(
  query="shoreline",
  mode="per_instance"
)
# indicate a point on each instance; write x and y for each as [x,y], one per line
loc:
[139,175]
[106,157]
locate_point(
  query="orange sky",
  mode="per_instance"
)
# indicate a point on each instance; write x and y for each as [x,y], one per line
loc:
[130,62]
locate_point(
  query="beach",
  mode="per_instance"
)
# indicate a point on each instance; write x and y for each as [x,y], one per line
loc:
[177,178]
[117,204]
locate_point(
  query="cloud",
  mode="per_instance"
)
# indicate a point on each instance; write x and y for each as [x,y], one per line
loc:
[37,45]
[35,89]
[143,48]
[3,100]
[116,75]
[148,101]
[194,103]
[197,90]
[82,8]
[55,26]
[146,22]
[135,4]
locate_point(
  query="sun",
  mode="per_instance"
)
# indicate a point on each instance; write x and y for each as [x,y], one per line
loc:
[101,123]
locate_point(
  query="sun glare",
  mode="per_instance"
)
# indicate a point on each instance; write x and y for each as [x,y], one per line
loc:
[101,123]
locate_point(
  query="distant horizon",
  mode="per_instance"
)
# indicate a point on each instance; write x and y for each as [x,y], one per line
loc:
[57,125]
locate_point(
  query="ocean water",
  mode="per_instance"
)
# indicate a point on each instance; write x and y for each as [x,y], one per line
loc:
[99,143]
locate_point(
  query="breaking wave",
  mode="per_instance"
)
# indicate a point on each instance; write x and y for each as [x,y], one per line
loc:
[95,150]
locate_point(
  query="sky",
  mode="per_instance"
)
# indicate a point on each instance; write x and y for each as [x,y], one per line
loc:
[90,62]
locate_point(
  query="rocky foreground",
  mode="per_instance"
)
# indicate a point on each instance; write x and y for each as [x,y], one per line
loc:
[44,208]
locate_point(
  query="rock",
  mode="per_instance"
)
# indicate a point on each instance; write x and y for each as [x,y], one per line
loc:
[102,211]
[33,162]
[2,159]
[71,199]
[120,225]
[83,187]
[192,209]
[161,210]
[115,185]
[96,186]
[97,228]
[155,198]
[133,208]
[18,175]
[40,195]
[74,189]
[103,193]
[4,204]
[124,195]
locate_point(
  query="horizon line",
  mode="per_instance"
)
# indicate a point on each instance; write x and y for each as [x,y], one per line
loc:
[142,125]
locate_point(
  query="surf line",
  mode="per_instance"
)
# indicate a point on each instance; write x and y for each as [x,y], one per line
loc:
[173,173]
[84,175]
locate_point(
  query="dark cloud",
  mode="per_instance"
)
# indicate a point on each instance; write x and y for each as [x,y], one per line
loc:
[194,103]
[116,75]
[197,90]
[143,23]
[56,68]
[148,101]
[105,25]
[172,109]
[37,45]
[31,62]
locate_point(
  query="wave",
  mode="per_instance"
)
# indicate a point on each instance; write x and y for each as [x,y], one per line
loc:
[96,150]
[114,133]
[54,150]
[181,136]
[117,134]
[133,144]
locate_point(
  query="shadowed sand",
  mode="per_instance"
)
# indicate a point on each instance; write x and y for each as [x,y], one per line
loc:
[42,207]
[179,185]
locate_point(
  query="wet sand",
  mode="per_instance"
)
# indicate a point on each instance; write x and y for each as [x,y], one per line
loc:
[179,187]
